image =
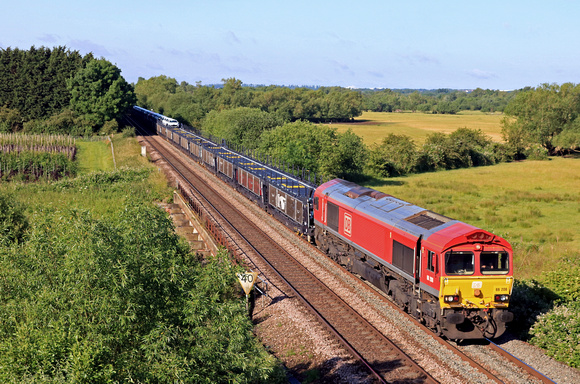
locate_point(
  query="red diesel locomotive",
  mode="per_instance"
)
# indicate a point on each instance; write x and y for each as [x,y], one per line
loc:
[453,277]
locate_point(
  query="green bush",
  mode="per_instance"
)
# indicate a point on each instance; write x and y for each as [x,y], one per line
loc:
[13,222]
[529,300]
[536,152]
[121,299]
[128,132]
[558,333]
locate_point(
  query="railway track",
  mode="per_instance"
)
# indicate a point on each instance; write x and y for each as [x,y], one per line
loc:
[382,357]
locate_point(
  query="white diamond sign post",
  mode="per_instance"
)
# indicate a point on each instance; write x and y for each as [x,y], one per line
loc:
[247,281]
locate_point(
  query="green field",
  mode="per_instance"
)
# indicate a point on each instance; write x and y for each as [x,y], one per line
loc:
[535,205]
[373,126]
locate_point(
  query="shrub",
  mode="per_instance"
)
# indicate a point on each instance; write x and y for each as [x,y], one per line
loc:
[536,152]
[109,127]
[121,299]
[128,132]
[13,223]
[558,333]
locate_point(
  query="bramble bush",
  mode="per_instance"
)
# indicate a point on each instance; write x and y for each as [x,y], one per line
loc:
[13,222]
[548,312]
[558,333]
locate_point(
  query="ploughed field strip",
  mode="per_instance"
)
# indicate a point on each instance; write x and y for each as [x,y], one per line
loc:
[376,350]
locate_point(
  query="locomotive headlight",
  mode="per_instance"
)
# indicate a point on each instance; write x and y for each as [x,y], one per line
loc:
[451,299]
[501,298]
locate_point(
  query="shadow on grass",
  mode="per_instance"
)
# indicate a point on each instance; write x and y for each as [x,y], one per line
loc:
[374,182]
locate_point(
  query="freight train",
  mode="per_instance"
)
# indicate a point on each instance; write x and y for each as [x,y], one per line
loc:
[455,278]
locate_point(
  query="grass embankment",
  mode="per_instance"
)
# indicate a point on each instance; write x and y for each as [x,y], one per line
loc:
[373,126]
[94,158]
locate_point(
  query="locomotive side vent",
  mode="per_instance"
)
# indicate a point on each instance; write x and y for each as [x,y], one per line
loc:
[427,219]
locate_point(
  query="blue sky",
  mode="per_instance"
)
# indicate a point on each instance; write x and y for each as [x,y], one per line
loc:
[506,44]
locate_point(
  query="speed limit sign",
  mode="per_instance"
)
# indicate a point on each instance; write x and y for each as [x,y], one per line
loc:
[247,280]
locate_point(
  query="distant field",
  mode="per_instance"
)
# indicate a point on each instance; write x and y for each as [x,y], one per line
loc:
[533,204]
[373,126]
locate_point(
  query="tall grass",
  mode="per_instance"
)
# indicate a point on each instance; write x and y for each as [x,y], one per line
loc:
[533,204]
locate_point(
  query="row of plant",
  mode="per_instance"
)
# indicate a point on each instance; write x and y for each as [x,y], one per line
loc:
[64,144]
[33,157]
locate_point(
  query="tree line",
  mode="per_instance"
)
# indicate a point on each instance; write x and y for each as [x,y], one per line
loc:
[441,101]
[57,90]
[191,103]
[266,120]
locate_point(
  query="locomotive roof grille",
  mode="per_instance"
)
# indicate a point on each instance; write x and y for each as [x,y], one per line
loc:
[427,219]
[359,191]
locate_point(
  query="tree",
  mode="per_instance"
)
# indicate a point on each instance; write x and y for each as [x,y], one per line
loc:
[33,82]
[318,149]
[100,93]
[240,126]
[349,158]
[395,156]
[300,144]
[537,116]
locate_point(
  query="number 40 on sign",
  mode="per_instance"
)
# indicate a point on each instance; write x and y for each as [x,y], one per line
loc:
[247,281]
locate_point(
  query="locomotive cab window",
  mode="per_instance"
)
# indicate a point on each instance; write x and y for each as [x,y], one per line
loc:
[459,263]
[493,263]
[431,261]
[316,203]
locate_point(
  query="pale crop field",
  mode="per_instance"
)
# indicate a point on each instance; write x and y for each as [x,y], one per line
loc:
[535,205]
[374,126]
